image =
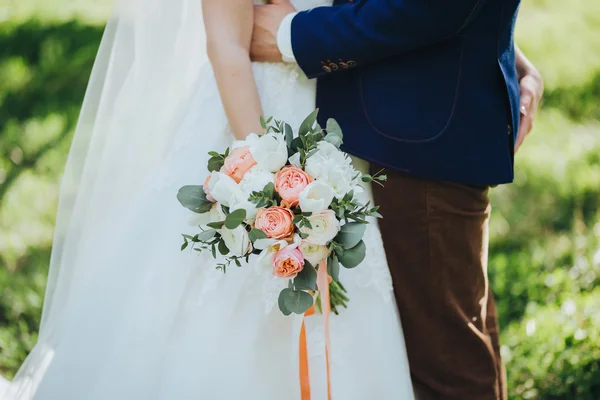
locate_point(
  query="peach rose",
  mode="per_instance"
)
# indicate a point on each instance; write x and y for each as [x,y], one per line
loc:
[276,222]
[288,262]
[206,189]
[289,182]
[238,162]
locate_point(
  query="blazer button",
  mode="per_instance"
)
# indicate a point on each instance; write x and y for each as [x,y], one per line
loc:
[333,66]
[326,68]
[351,64]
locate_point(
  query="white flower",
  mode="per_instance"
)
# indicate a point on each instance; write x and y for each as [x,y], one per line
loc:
[314,253]
[325,226]
[271,246]
[316,197]
[340,180]
[333,167]
[224,189]
[255,180]
[236,240]
[270,151]
[250,140]
[215,214]
[326,156]
[295,160]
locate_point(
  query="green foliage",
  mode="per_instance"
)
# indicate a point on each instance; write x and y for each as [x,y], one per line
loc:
[554,351]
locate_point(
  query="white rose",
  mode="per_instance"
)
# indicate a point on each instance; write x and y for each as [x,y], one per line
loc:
[316,197]
[340,179]
[295,160]
[250,140]
[255,180]
[224,189]
[325,227]
[270,151]
[314,253]
[216,214]
[326,157]
[236,240]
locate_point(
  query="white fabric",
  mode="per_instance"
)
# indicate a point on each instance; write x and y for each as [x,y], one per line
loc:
[130,317]
[284,38]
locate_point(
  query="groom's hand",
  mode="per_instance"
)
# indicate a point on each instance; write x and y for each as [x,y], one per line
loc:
[531,86]
[267,19]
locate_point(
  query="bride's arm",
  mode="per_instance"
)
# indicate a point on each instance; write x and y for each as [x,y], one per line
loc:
[228,32]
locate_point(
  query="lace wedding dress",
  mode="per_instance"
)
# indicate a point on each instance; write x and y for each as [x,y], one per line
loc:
[131,317]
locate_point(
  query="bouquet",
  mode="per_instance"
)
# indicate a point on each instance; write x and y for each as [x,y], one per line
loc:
[288,201]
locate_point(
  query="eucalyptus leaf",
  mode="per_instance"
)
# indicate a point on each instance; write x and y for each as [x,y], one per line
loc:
[334,133]
[216,225]
[281,302]
[308,123]
[193,198]
[307,278]
[354,256]
[235,219]
[269,190]
[297,301]
[206,235]
[333,267]
[297,144]
[256,234]
[215,163]
[184,245]
[289,134]
[223,248]
[350,234]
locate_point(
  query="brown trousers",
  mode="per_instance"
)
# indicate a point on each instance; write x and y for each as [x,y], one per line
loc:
[436,238]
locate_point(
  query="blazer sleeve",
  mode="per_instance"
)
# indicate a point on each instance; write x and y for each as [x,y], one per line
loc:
[329,39]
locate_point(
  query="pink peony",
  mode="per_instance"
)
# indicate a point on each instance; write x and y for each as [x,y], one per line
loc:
[288,262]
[289,182]
[276,222]
[238,162]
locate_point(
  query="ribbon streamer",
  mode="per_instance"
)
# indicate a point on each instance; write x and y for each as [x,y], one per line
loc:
[323,286]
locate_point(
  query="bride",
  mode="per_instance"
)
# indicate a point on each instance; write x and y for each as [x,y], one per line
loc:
[127,315]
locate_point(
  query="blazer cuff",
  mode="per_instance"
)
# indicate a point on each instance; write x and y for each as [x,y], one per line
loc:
[284,38]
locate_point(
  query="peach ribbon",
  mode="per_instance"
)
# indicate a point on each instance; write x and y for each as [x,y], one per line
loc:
[323,286]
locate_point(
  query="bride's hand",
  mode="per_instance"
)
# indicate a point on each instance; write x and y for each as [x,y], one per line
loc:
[267,19]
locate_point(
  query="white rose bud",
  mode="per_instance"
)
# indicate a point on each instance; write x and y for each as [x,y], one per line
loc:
[270,151]
[236,240]
[249,141]
[223,188]
[295,160]
[325,227]
[316,197]
[314,253]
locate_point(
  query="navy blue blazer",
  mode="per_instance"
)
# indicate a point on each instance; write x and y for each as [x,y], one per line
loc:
[428,87]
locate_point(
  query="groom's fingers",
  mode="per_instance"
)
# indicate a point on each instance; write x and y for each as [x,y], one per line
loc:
[528,87]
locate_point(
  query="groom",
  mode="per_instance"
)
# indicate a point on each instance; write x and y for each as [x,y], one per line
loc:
[435,91]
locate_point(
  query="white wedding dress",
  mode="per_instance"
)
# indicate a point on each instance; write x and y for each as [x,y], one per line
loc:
[134,318]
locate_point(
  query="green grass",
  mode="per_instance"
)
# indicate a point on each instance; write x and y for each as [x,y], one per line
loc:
[545,230]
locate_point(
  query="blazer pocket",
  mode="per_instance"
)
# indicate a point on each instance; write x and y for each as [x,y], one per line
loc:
[412,98]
